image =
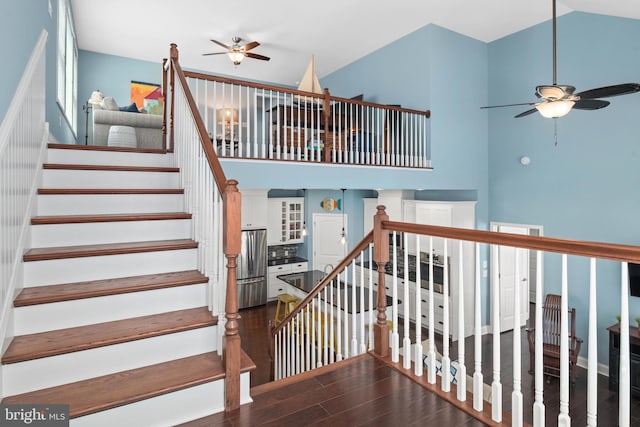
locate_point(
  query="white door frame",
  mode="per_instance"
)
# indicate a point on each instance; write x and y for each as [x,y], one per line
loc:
[494,226]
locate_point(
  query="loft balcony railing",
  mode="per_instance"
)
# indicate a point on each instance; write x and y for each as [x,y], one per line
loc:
[258,121]
[359,307]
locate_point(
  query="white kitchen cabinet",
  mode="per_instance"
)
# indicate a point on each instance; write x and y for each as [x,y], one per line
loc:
[285,220]
[254,208]
[276,286]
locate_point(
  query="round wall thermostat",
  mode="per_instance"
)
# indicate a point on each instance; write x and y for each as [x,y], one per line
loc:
[524,160]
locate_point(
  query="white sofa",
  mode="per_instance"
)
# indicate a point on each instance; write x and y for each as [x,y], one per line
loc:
[148,127]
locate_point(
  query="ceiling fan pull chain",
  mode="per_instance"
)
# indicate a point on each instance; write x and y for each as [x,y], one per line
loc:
[555,131]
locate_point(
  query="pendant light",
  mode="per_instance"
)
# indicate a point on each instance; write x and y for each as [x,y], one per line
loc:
[343,235]
[304,221]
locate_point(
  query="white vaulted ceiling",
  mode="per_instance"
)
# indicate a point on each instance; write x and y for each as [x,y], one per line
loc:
[337,32]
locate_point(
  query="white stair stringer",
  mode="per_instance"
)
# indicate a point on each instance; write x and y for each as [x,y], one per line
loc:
[93,233]
[22,377]
[168,409]
[67,314]
[69,178]
[105,158]
[70,270]
[89,204]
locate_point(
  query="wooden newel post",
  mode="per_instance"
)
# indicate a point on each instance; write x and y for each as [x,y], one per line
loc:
[173,54]
[326,150]
[231,343]
[381,258]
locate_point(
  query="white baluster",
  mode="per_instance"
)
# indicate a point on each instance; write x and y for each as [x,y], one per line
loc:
[496,385]
[431,353]
[394,291]
[338,322]
[563,417]
[624,390]
[538,406]
[478,380]
[462,368]
[406,341]
[371,302]
[347,354]
[308,339]
[332,350]
[592,368]
[353,316]
[446,361]
[361,316]
[517,411]
[325,327]
[418,346]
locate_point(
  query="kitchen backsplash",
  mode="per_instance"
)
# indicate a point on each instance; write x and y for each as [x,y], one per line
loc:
[282,251]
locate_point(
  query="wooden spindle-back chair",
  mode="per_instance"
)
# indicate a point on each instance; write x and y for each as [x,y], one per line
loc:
[551,339]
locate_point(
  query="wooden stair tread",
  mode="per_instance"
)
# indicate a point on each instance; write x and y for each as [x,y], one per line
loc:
[58,191]
[98,288]
[118,168]
[122,388]
[78,251]
[75,219]
[68,340]
[106,148]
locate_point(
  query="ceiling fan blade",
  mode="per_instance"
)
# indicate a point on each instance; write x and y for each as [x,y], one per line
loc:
[590,104]
[250,46]
[256,56]
[509,105]
[608,91]
[526,113]
[215,53]
[220,44]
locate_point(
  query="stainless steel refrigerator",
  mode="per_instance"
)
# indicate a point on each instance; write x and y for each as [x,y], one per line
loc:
[252,269]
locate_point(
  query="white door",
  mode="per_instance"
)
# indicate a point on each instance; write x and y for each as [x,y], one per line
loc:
[327,249]
[506,278]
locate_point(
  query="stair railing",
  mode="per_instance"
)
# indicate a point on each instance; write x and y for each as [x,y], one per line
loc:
[214,202]
[23,140]
[455,312]
[253,120]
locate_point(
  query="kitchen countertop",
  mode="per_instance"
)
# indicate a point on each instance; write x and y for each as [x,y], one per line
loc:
[307,280]
[282,261]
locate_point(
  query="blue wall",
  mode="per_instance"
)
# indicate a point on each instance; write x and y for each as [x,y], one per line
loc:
[21,23]
[586,187]
[112,75]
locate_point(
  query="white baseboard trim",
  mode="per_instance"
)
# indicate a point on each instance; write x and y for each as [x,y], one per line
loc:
[602,368]
[486,329]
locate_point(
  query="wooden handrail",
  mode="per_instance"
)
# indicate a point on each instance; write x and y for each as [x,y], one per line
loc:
[325,281]
[220,79]
[212,157]
[610,251]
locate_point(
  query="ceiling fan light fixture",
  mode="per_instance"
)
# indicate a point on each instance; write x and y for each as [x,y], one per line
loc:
[555,109]
[236,56]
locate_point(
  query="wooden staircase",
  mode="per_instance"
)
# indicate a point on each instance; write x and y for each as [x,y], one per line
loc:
[112,319]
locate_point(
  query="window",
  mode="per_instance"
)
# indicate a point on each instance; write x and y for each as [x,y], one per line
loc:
[67,65]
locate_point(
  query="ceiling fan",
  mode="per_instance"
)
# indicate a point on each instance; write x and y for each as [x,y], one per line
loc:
[236,52]
[557,100]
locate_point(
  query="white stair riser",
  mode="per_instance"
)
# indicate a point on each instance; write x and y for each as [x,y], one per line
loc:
[68,314]
[88,157]
[108,232]
[63,178]
[83,204]
[80,365]
[168,409]
[72,270]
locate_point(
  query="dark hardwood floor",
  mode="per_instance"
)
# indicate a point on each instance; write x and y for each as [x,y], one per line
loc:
[253,330]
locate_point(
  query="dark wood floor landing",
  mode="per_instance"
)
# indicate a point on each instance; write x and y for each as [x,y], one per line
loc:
[362,391]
